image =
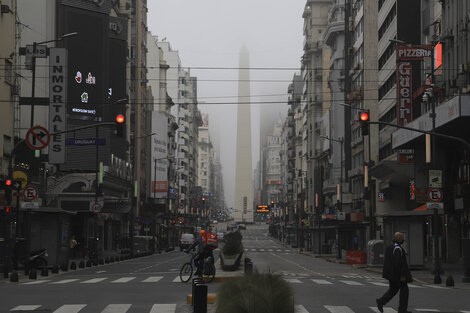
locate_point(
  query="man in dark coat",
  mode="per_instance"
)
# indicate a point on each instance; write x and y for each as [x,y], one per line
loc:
[397,273]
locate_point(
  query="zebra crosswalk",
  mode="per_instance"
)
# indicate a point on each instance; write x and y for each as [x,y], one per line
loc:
[96,280]
[110,308]
[268,250]
[173,307]
[347,309]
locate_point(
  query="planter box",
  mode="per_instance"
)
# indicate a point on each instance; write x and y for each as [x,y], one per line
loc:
[230,264]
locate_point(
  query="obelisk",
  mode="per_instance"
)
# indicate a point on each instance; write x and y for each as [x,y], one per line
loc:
[243,171]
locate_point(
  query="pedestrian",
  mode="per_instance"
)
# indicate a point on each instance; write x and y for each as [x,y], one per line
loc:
[397,273]
[73,244]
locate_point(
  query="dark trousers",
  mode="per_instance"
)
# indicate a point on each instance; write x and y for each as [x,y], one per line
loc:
[394,286]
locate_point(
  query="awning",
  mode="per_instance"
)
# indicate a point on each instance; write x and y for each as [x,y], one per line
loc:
[416,212]
[393,171]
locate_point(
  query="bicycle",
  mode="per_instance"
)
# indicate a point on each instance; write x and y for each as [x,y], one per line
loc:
[208,271]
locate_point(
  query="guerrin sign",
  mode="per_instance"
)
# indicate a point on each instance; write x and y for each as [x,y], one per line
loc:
[57,101]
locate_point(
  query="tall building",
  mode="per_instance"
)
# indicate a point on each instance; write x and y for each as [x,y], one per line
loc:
[244,174]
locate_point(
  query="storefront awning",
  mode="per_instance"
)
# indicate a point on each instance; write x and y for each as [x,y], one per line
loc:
[391,170]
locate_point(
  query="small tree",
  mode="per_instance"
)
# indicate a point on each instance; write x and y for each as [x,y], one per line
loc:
[255,293]
[233,243]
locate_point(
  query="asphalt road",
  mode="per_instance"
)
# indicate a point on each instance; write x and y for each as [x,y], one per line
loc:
[151,285]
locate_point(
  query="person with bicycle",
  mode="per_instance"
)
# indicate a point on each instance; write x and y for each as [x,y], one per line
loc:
[201,252]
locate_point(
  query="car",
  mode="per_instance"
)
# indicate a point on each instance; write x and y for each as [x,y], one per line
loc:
[241,226]
[185,241]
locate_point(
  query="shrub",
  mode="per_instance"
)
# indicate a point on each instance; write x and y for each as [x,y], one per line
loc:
[233,243]
[255,293]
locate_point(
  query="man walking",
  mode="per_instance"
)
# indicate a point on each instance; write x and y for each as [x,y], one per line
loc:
[397,273]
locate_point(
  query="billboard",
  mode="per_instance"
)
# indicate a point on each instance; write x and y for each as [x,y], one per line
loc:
[159,186]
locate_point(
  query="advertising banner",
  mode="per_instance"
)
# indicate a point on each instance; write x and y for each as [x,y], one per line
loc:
[159,186]
[405,93]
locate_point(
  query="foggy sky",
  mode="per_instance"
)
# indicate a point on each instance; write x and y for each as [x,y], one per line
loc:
[209,34]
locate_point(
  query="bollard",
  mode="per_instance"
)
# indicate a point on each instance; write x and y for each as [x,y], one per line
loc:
[32,273]
[73,265]
[44,272]
[249,267]
[55,269]
[81,264]
[200,298]
[14,277]
[64,267]
[197,280]
[450,281]
[88,263]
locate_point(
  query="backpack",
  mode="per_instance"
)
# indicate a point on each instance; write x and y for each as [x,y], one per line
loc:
[211,242]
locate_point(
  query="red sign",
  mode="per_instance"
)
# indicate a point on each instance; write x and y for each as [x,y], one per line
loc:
[405,94]
[30,193]
[416,53]
[406,157]
[434,194]
[37,138]
[159,186]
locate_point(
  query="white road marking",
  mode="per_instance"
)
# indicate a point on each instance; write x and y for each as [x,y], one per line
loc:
[177,279]
[338,309]
[253,249]
[270,250]
[116,308]
[152,279]
[25,308]
[322,282]
[351,282]
[386,310]
[378,284]
[292,280]
[415,286]
[262,250]
[437,287]
[300,309]
[70,308]
[123,280]
[36,282]
[427,310]
[100,272]
[64,281]
[93,281]
[163,308]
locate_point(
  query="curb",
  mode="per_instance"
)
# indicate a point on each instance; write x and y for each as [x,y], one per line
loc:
[211,298]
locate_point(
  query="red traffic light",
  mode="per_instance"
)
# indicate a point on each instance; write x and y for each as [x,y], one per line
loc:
[365,116]
[120,118]
[8,182]
[7,209]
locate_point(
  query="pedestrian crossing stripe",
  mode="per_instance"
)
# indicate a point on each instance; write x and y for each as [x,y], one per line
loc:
[25,308]
[36,282]
[427,310]
[292,280]
[92,281]
[379,284]
[117,308]
[322,282]
[123,280]
[64,281]
[300,309]
[351,282]
[177,279]
[152,279]
[70,308]
[338,309]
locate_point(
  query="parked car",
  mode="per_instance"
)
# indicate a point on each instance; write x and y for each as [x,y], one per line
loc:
[186,240]
[241,226]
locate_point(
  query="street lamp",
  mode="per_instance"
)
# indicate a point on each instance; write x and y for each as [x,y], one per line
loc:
[33,67]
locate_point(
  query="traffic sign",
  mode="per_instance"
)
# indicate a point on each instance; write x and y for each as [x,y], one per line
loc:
[434,194]
[435,178]
[37,138]
[30,193]
[96,207]
[39,52]
[22,177]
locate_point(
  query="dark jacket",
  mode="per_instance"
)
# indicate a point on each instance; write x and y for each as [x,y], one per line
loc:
[197,243]
[395,265]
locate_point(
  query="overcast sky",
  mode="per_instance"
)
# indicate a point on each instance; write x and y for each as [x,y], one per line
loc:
[209,34]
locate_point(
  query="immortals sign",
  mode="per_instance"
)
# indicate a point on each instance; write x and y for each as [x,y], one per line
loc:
[57,103]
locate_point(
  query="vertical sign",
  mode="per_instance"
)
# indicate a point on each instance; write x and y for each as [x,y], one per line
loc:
[57,103]
[405,93]
[159,186]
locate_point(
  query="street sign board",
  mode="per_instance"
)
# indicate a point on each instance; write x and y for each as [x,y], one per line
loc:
[434,194]
[37,138]
[435,178]
[30,192]
[39,52]
[22,177]
[85,141]
[435,205]
[30,205]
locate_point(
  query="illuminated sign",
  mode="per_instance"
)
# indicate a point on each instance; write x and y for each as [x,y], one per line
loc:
[273,182]
[262,209]
[417,53]
[405,93]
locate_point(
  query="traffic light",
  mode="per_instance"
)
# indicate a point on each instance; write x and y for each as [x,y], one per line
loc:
[365,119]
[120,122]
[7,185]
[203,200]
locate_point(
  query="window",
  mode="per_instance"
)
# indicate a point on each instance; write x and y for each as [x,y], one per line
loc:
[386,151]
[386,55]
[388,20]
[391,81]
[8,72]
[389,117]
